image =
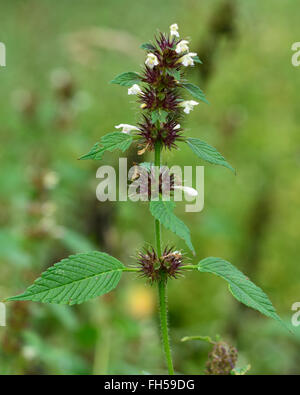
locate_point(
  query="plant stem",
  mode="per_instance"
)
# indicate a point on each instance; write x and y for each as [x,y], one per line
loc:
[157,223]
[162,284]
[189,267]
[163,312]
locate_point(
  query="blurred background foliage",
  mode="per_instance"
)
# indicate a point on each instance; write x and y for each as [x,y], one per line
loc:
[55,103]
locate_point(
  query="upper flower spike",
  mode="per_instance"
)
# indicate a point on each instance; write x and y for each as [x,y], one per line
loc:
[159,88]
[174,30]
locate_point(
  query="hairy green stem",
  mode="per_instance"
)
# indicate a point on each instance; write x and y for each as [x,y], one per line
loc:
[163,313]
[157,223]
[162,284]
[189,267]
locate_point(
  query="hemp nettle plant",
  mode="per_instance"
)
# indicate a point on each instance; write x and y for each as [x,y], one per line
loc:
[159,88]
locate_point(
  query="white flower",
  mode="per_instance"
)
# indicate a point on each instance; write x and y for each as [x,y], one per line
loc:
[134,90]
[126,128]
[177,126]
[188,191]
[182,46]
[151,60]
[174,30]
[188,105]
[187,60]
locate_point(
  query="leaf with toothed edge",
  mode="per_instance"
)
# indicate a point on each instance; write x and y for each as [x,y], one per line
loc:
[244,290]
[109,142]
[163,211]
[127,79]
[207,153]
[195,91]
[148,47]
[75,279]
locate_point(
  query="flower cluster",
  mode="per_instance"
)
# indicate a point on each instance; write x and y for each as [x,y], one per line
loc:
[148,185]
[155,268]
[158,90]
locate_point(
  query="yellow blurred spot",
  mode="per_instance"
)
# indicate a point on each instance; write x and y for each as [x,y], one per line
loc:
[141,301]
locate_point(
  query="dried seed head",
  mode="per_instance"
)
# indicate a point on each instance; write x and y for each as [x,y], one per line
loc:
[222,359]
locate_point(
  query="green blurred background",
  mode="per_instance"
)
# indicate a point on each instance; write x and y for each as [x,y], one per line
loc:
[55,103]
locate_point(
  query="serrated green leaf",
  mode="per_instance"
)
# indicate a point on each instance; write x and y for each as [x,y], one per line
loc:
[207,152]
[95,153]
[116,140]
[240,286]
[163,211]
[126,79]
[75,279]
[109,142]
[195,91]
[148,47]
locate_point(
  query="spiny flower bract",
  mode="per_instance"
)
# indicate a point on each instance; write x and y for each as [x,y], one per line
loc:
[147,187]
[155,268]
[168,133]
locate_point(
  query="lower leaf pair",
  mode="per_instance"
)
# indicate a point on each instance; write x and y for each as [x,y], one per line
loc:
[81,277]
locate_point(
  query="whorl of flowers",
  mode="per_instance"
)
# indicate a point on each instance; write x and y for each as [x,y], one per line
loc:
[149,185]
[155,268]
[145,177]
